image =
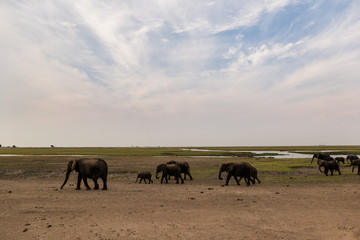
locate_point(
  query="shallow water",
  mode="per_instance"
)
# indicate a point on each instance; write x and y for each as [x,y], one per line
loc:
[280,154]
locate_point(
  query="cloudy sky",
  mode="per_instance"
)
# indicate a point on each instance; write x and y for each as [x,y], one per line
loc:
[179,73]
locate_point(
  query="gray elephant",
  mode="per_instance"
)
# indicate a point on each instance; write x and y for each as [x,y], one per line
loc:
[184,166]
[340,159]
[351,158]
[169,170]
[355,163]
[88,168]
[254,174]
[144,176]
[322,156]
[329,165]
[235,170]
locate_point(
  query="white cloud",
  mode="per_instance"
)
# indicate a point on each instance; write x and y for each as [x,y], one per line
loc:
[123,70]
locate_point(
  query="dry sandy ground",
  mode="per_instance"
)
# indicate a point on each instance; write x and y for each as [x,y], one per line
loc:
[38,209]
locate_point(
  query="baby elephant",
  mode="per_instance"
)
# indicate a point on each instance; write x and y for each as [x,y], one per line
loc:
[144,176]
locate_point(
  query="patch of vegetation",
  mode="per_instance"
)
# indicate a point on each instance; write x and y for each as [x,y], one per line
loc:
[124,163]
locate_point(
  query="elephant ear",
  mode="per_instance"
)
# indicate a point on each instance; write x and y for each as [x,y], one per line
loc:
[229,168]
[73,166]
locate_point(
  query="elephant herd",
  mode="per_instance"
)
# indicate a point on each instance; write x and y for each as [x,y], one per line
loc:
[332,164]
[97,168]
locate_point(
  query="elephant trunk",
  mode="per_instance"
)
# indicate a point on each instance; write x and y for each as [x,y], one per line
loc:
[66,179]
[313,159]
[220,171]
[157,172]
[320,168]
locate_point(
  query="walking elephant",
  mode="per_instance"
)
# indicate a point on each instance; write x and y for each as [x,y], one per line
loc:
[88,168]
[254,174]
[144,176]
[351,158]
[322,156]
[340,159]
[169,170]
[184,167]
[355,163]
[329,165]
[235,170]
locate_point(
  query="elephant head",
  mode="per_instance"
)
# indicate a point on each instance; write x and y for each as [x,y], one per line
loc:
[159,169]
[72,165]
[225,167]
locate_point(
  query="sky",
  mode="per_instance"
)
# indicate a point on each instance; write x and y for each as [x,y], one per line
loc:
[179,73]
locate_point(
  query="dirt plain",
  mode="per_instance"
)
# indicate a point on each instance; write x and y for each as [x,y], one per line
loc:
[34,207]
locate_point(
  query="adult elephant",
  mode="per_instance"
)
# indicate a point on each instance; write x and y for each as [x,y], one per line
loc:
[235,170]
[355,163]
[184,167]
[168,170]
[329,165]
[351,158]
[88,168]
[322,156]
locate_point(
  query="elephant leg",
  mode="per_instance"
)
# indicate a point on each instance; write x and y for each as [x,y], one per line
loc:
[227,179]
[252,180]
[140,180]
[332,172]
[182,180]
[78,182]
[258,180]
[104,183]
[177,179]
[165,176]
[86,183]
[339,171]
[96,184]
[162,178]
[188,173]
[237,181]
[247,181]
[150,181]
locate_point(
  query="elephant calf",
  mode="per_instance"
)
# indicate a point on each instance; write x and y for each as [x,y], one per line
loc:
[144,176]
[88,168]
[253,174]
[340,159]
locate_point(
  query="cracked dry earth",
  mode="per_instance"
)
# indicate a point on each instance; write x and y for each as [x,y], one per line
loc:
[38,209]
